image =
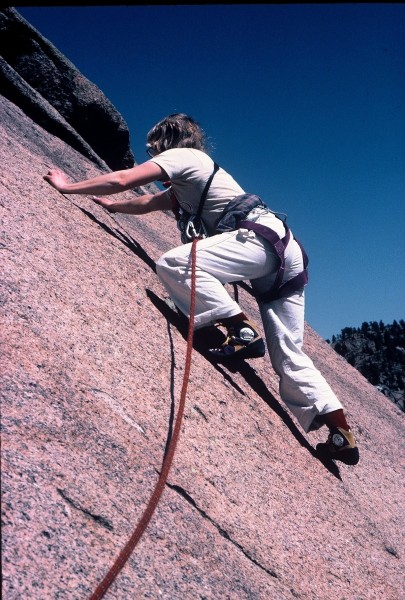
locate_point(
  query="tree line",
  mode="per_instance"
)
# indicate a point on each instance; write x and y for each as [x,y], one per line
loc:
[377,351]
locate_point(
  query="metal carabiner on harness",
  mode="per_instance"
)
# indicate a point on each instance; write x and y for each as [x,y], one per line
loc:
[192,232]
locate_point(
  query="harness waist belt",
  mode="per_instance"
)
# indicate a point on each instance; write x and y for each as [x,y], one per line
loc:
[279,289]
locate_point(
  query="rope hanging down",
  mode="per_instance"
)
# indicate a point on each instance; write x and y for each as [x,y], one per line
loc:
[147,515]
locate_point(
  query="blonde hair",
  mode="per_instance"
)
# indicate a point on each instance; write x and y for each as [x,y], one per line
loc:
[176,131]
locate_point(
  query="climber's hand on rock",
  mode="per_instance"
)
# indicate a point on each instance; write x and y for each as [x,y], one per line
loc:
[104,202]
[57,179]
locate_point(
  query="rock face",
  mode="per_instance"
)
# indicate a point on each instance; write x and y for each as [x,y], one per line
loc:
[35,74]
[92,365]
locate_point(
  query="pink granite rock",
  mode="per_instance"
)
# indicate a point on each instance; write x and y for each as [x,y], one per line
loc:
[92,366]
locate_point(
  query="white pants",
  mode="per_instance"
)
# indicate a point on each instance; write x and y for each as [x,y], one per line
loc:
[241,255]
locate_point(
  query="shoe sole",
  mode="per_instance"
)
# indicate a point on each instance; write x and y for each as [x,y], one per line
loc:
[348,457]
[256,349]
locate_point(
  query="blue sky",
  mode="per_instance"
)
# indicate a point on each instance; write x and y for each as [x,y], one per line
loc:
[304,105]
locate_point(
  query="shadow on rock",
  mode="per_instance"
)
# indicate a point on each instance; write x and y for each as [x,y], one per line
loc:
[213,337]
[258,385]
[123,237]
[180,322]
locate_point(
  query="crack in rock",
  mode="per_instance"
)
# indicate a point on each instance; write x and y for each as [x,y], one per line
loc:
[220,530]
[200,412]
[392,551]
[117,408]
[98,518]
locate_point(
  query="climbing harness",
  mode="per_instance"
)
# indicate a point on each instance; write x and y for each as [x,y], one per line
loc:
[147,515]
[279,289]
[234,216]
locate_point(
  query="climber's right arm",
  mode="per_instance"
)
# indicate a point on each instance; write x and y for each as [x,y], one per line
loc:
[138,205]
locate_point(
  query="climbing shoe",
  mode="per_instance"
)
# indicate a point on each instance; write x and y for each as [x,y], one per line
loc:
[340,445]
[242,341]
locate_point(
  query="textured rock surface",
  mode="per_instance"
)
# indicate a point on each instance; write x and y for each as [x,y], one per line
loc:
[92,366]
[34,73]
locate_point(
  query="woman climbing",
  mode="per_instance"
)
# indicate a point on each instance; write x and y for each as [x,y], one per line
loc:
[243,240]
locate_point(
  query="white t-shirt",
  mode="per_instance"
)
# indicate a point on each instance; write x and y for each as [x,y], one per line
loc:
[189,170]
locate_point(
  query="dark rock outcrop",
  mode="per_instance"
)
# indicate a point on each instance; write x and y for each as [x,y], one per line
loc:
[34,75]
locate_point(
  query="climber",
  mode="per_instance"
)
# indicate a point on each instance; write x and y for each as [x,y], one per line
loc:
[232,249]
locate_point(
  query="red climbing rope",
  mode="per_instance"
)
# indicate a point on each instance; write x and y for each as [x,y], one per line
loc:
[147,515]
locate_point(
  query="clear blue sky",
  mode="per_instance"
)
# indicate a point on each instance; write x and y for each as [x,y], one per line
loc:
[304,104]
